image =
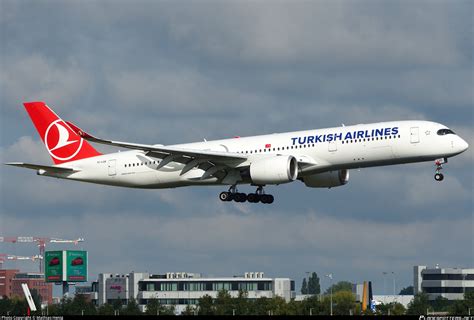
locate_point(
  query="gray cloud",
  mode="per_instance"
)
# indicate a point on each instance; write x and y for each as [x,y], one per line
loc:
[167,72]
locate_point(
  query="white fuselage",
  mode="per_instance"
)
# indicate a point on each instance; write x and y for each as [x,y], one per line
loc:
[363,145]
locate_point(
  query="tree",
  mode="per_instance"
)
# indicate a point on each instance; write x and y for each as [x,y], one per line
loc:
[5,305]
[260,307]
[469,298]
[440,304]
[343,301]
[313,284]
[294,308]
[304,287]
[397,309]
[223,303]
[311,305]
[340,286]
[79,305]
[241,303]
[189,311]
[153,307]
[117,305]
[206,306]
[393,308]
[463,306]
[18,307]
[419,304]
[277,306]
[106,310]
[408,291]
[132,308]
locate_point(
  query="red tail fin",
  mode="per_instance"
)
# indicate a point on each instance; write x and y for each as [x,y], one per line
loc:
[62,143]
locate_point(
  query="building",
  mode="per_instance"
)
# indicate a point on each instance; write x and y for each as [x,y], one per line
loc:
[387,299]
[6,278]
[450,283]
[11,280]
[90,293]
[35,281]
[111,288]
[182,289]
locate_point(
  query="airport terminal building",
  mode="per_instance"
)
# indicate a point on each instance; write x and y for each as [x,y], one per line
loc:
[450,283]
[182,289]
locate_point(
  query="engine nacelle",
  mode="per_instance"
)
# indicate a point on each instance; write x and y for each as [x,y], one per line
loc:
[327,179]
[274,170]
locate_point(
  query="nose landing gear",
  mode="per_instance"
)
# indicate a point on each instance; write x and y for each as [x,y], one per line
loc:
[439,165]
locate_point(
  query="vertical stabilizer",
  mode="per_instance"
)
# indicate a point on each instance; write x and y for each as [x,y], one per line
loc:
[61,142]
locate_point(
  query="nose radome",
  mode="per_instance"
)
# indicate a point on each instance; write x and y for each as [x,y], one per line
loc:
[463,145]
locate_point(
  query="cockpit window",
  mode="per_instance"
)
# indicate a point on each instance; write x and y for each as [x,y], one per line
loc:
[442,132]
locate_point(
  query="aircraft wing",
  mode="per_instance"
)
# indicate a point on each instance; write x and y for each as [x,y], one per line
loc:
[163,150]
[52,169]
[210,161]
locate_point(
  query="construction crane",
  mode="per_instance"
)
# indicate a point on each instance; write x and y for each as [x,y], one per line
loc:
[4,257]
[41,243]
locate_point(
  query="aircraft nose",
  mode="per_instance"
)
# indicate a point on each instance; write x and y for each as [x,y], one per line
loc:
[463,145]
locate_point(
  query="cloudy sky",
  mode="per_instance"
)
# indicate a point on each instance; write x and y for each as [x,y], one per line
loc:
[173,72]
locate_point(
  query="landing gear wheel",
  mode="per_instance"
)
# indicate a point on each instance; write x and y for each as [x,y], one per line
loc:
[253,198]
[267,198]
[258,196]
[225,196]
[270,199]
[439,177]
[240,197]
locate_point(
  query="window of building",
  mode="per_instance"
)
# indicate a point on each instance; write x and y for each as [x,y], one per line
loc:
[443,289]
[443,276]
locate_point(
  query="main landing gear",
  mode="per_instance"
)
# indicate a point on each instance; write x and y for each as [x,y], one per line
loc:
[439,165]
[258,196]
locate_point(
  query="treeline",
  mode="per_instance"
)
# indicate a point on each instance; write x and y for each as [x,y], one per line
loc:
[343,304]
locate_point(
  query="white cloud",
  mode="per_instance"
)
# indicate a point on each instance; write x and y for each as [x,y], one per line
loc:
[34,78]
[181,92]
[161,73]
[137,241]
[324,33]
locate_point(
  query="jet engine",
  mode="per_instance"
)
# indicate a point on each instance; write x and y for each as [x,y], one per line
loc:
[327,179]
[274,170]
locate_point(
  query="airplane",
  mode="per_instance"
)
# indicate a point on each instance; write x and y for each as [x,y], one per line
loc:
[320,158]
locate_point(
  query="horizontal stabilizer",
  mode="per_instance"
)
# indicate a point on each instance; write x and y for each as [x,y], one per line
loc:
[52,169]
